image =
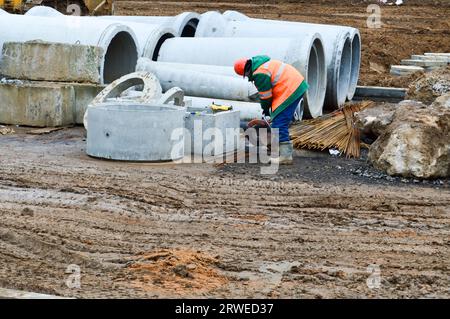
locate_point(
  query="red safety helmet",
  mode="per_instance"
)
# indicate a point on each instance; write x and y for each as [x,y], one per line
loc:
[239,66]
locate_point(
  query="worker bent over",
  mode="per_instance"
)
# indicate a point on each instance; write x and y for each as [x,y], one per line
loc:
[281,88]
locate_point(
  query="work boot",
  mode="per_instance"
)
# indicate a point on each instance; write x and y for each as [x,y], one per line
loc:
[285,157]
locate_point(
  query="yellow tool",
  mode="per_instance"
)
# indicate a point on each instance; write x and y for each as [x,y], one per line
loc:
[220,108]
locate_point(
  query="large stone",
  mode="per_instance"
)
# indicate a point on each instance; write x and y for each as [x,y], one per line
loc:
[442,101]
[84,94]
[374,120]
[44,104]
[416,143]
[44,61]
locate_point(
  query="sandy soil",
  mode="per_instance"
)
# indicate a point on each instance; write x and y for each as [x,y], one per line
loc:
[165,230]
[415,28]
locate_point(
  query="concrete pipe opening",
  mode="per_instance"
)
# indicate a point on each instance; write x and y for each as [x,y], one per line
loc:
[355,66]
[160,41]
[190,28]
[120,58]
[344,72]
[317,80]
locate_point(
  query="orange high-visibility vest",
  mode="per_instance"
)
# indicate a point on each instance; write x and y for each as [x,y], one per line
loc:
[285,81]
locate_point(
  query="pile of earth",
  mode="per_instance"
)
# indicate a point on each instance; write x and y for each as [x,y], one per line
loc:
[430,86]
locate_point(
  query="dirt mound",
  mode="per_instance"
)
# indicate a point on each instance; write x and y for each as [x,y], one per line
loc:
[430,86]
[182,272]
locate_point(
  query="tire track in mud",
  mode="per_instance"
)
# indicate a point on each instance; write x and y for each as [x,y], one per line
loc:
[278,238]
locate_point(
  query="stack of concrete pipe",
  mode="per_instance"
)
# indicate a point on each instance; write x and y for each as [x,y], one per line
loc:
[149,36]
[306,53]
[185,24]
[118,42]
[342,46]
[327,55]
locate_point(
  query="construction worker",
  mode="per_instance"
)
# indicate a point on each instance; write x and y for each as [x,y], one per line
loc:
[281,88]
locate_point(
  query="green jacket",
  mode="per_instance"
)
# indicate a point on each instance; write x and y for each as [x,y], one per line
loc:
[263,83]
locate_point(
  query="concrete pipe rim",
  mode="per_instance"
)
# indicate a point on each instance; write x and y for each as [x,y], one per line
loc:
[212,24]
[121,52]
[308,57]
[355,64]
[344,72]
[233,15]
[339,75]
[186,24]
[131,106]
[316,77]
[43,11]
[156,40]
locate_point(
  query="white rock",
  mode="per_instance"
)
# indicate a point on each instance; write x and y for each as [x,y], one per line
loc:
[416,143]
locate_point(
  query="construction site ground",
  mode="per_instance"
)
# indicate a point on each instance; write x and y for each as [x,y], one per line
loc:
[326,227]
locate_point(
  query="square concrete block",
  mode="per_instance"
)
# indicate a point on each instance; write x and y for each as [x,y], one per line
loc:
[84,94]
[402,70]
[44,61]
[431,58]
[201,124]
[44,104]
[424,63]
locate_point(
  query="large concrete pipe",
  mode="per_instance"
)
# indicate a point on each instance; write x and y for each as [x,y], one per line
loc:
[213,69]
[185,24]
[343,64]
[337,46]
[200,83]
[304,55]
[355,42]
[119,43]
[149,36]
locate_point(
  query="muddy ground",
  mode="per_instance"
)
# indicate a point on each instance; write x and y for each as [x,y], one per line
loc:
[314,230]
[415,28]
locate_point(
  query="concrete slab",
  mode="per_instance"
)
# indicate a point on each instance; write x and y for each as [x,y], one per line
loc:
[438,54]
[45,61]
[84,94]
[380,92]
[442,58]
[401,70]
[44,104]
[423,63]
[200,122]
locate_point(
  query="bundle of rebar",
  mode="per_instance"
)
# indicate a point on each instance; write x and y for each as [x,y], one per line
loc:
[335,130]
